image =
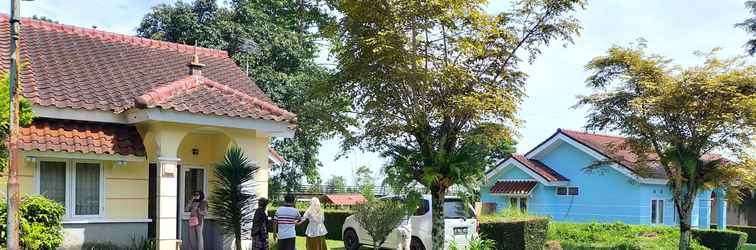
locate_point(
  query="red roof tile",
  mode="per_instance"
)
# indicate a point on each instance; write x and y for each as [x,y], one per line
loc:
[81,137]
[80,68]
[539,168]
[345,199]
[513,187]
[612,147]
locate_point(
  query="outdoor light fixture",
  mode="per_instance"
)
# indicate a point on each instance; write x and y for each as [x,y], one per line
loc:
[31,159]
[195,151]
[121,163]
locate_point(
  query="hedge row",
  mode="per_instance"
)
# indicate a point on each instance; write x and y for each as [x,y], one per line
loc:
[527,234]
[720,239]
[750,230]
[333,221]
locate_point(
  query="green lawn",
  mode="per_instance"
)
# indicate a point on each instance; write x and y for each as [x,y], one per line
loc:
[301,241]
[749,247]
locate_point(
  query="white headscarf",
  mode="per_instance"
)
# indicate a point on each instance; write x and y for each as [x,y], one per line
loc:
[314,209]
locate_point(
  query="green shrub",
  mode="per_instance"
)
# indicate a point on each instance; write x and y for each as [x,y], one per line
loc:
[519,234]
[333,220]
[577,236]
[750,230]
[40,220]
[720,239]
[479,243]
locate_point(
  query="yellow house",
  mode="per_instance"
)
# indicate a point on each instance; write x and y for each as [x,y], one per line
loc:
[126,127]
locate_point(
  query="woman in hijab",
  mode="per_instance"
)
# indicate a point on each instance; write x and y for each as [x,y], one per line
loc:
[197,212]
[316,230]
[260,226]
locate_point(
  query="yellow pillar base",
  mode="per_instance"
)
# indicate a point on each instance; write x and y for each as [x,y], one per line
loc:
[169,245]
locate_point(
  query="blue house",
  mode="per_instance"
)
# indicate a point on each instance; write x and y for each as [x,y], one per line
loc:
[551,180]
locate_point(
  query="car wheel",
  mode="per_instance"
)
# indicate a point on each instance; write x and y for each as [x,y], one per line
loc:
[351,241]
[416,244]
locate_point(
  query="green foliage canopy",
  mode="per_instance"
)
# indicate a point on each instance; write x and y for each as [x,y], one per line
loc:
[679,118]
[275,41]
[24,118]
[749,25]
[436,84]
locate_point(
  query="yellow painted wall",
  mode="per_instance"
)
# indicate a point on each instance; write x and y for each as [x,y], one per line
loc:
[126,190]
[126,187]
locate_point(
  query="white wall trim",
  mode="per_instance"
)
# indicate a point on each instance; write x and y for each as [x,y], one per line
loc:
[88,156]
[77,114]
[560,137]
[274,128]
[104,220]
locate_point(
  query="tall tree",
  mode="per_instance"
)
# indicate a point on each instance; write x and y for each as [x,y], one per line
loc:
[336,184]
[677,118]
[275,41]
[437,83]
[363,177]
[749,25]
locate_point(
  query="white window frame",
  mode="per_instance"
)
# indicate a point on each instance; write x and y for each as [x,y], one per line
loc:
[659,211]
[182,187]
[518,200]
[556,191]
[70,202]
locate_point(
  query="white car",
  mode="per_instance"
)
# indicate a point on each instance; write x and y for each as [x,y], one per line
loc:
[461,226]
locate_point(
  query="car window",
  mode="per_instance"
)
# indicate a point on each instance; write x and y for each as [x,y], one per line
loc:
[422,208]
[456,209]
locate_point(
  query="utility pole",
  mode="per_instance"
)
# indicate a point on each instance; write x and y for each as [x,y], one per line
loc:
[13,192]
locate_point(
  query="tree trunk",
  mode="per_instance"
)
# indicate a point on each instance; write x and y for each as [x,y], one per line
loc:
[237,236]
[438,195]
[685,235]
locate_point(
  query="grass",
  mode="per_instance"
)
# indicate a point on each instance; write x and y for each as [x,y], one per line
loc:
[615,235]
[302,241]
[749,247]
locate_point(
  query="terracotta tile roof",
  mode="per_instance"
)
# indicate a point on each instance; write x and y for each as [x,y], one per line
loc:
[539,168]
[81,137]
[80,68]
[344,199]
[198,94]
[513,187]
[613,147]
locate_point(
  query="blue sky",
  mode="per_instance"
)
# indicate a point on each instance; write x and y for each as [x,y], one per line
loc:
[673,28]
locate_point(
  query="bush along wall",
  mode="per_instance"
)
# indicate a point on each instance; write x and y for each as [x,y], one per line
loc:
[41,226]
[750,230]
[334,219]
[529,234]
[720,239]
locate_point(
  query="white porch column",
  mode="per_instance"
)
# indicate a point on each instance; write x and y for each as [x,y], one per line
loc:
[167,203]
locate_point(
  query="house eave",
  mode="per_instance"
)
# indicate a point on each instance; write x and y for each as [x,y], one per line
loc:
[271,128]
[85,156]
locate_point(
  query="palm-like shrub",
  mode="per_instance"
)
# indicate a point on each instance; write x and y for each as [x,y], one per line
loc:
[231,202]
[379,218]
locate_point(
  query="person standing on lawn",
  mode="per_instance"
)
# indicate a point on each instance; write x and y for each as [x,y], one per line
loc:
[316,229]
[286,219]
[260,226]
